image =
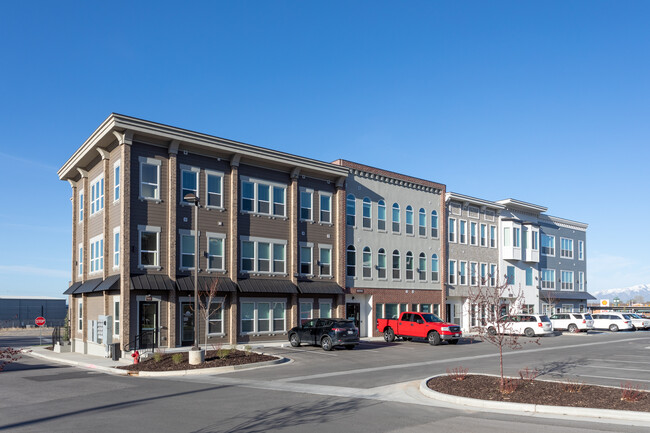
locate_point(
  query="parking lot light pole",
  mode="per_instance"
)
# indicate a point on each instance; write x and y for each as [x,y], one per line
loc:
[196,355]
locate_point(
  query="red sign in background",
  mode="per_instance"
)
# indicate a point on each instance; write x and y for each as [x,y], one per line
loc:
[40,321]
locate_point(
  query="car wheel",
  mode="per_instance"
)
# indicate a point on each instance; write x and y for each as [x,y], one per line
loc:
[492,331]
[613,328]
[294,340]
[529,332]
[434,338]
[389,335]
[326,343]
[349,346]
[572,328]
[454,341]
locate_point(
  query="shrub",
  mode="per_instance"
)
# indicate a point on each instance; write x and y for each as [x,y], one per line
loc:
[249,349]
[458,373]
[632,393]
[7,356]
[508,385]
[528,375]
[177,358]
[157,356]
[570,385]
[223,353]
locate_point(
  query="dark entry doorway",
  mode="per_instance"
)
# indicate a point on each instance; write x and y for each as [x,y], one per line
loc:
[187,323]
[353,312]
[148,326]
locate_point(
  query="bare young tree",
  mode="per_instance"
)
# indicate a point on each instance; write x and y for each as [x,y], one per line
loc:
[206,312]
[494,304]
[549,297]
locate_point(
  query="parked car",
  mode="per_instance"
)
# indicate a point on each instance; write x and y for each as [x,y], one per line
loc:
[637,321]
[326,333]
[419,325]
[529,325]
[572,322]
[611,321]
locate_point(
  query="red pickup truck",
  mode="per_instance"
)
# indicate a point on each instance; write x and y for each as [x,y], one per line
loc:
[419,325]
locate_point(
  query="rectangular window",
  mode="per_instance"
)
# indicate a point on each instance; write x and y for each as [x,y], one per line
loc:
[516,236]
[473,273]
[548,279]
[381,264]
[566,248]
[506,236]
[484,274]
[256,197]
[247,256]
[305,259]
[483,235]
[409,266]
[548,245]
[510,274]
[581,281]
[247,317]
[263,198]
[80,316]
[306,205]
[116,247]
[263,317]
[215,318]
[581,250]
[422,267]
[325,262]
[189,182]
[462,273]
[493,236]
[529,276]
[214,189]
[493,275]
[248,196]
[366,213]
[81,205]
[462,232]
[379,311]
[279,194]
[381,216]
[305,312]
[366,263]
[452,229]
[473,235]
[278,259]
[452,271]
[215,252]
[81,259]
[97,195]
[150,178]
[263,255]
[187,249]
[149,246]
[325,309]
[325,208]
[434,269]
[534,238]
[392,311]
[116,315]
[96,254]
[567,280]
[434,225]
[422,223]
[116,181]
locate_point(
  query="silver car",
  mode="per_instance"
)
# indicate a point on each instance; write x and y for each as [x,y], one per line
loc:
[637,321]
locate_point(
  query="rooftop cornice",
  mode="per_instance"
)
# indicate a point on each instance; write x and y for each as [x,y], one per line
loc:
[568,223]
[390,176]
[511,203]
[473,200]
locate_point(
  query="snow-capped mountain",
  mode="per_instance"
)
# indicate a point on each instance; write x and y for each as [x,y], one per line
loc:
[626,293]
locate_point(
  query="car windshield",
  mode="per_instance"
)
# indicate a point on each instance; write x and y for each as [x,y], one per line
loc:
[544,319]
[345,324]
[428,317]
[627,316]
[636,316]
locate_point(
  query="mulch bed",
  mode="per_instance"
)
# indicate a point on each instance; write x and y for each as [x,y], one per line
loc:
[213,358]
[540,392]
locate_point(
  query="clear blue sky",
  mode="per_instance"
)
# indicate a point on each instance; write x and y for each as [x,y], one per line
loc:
[547,102]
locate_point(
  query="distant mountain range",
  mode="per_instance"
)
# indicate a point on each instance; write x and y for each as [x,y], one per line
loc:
[626,293]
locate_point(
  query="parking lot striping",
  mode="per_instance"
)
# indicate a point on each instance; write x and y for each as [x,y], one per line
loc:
[621,360]
[440,361]
[614,378]
[606,367]
[314,352]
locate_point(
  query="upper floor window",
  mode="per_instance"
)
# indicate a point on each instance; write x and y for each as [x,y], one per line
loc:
[81,259]
[325,208]
[396,218]
[215,252]
[493,275]
[422,267]
[566,248]
[434,268]
[483,235]
[214,188]
[548,245]
[534,235]
[381,215]
[473,235]
[116,180]
[306,197]
[516,236]
[97,195]
[462,273]
[351,265]
[510,275]
[189,182]
[306,259]
[149,246]
[581,250]
[409,220]
[422,222]
[434,224]
[367,262]
[581,281]
[325,262]
[409,266]
[452,229]
[257,196]
[462,232]
[567,280]
[116,247]
[529,276]
[473,273]
[150,178]
[260,255]
[548,278]
[81,205]
[97,254]
[350,209]
[367,213]
[187,249]
[452,272]
[396,265]
[493,236]
[484,274]
[381,263]
[506,236]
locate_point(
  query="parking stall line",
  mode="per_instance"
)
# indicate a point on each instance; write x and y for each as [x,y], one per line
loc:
[621,360]
[615,378]
[606,367]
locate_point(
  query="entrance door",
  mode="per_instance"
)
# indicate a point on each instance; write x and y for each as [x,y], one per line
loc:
[148,326]
[353,312]
[187,324]
[449,313]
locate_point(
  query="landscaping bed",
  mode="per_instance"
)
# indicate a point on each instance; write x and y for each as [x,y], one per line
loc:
[213,358]
[567,393]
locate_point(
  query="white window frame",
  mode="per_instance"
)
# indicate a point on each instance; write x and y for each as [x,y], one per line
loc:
[219,317]
[97,195]
[96,245]
[551,282]
[321,303]
[452,236]
[156,163]
[116,315]
[396,223]
[462,223]
[222,238]
[551,254]
[220,175]
[307,246]
[435,279]
[434,227]
[117,175]
[451,272]
[80,252]
[381,204]
[256,241]
[321,248]
[473,274]
[581,250]
[562,250]
[365,268]
[116,247]
[302,205]
[462,273]
[492,275]
[366,221]
[409,228]
[410,277]
[324,195]
[255,302]
[421,268]
[483,230]
[309,311]
[81,205]
[272,197]
[483,274]
[149,229]
[80,315]
[183,233]
[581,281]
[476,233]
[196,171]
[493,236]
[566,286]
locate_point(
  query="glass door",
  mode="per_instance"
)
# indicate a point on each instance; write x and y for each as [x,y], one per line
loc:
[353,312]
[187,326]
[148,326]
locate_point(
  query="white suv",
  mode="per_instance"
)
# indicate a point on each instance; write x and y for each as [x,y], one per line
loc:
[612,321]
[572,322]
[529,325]
[637,321]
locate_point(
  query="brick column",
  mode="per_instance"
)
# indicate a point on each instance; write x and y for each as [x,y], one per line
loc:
[233,246]
[105,229]
[444,248]
[292,247]
[84,223]
[172,206]
[75,253]
[339,224]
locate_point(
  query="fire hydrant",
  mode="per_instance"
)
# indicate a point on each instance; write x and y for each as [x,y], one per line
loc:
[136,357]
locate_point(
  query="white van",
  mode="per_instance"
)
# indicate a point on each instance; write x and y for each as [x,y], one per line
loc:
[611,321]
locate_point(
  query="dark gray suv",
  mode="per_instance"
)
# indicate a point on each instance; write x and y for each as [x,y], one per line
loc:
[326,333]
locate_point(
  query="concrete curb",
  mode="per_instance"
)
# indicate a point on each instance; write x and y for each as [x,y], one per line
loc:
[109,370]
[592,414]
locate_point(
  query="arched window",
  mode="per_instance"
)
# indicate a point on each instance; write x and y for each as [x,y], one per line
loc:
[422,267]
[381,263]
[409,265]
[351,261]
[409,220]
[395,218]
[367,263]
[434,224]
[350,210]
[434,268]
[396,267]
[367,213]
[422,222]
[381,215]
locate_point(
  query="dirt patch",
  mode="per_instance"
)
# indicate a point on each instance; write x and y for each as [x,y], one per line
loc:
[540,392]
[213,358]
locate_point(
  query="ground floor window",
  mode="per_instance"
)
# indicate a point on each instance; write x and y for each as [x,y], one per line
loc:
[215,318]
[528,309]
[392,311]
[306,308]
[325,308]
[262,316]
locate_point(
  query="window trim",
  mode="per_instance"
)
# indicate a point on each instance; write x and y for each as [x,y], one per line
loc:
[310,246]
[451,230]
[97,203]
[365,253]
[158,164]
[255,302]
[366,203]
[350,210]
[222,237]
[96,263]
[187,233]
[80,315]
[551,281]
[570,283]
[581,250]
[256,241]
[552,254]
[451,273]
[116,247]
[322,247]
[221,176]
[309,191]
[183,168]
[562,250]
[116,315]
[321,196]
[221,301]
[272,201]
[149,229]
[80,262]
[117,180]
[381,204]
[460,225]
[81,205]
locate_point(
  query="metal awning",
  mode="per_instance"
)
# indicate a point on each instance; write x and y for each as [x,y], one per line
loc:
[263,285]
[560,295]
[150,282]
[110,283]
[88,286]
[72,289]
[320,288]
[224,284]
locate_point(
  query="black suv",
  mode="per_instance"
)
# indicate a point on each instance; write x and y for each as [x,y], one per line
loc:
[326,333]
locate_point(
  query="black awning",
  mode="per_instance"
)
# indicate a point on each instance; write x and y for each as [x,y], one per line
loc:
[72,289]
[263,285]
[150,282]
[224,284]
[88,286]
[319,288]
[561,294]
[110,283]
